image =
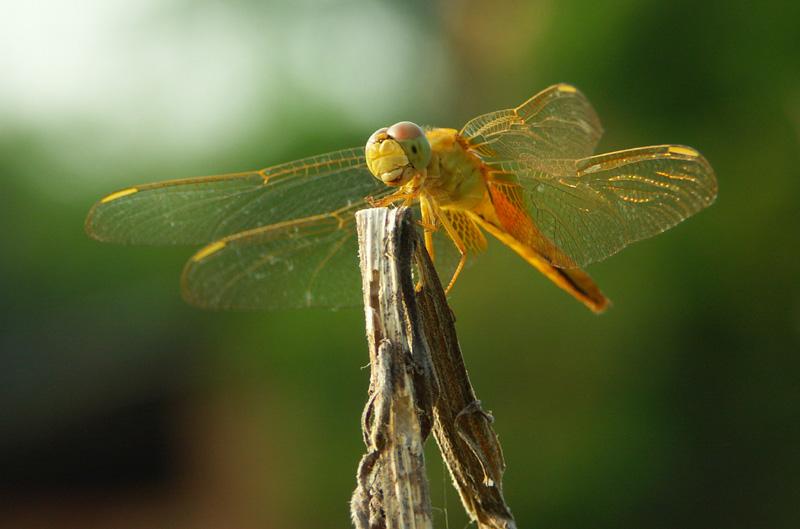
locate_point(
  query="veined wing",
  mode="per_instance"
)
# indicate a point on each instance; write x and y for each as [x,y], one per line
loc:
[593,207]
[557,123]
[308,262]
[202,210]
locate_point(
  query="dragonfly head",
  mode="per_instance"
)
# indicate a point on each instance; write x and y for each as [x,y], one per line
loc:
[397,153]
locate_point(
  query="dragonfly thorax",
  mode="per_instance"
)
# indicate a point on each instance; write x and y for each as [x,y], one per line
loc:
[455,176]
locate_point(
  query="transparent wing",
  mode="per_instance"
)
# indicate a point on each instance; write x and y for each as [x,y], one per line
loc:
[284,236]
[310,262]
[593,207]
[557,123]
[202,210]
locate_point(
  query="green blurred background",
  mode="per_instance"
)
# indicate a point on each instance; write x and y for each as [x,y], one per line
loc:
[120,406]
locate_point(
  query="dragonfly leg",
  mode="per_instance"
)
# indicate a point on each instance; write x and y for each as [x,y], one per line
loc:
[431,227]
[462,248]
[394,197]
[429,223]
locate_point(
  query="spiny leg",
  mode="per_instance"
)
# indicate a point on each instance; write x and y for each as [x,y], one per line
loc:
[429,216]
[428,222]
[400,194]
[462,249]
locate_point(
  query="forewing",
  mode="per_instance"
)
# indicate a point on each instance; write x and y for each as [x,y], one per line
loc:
[202,210]
[557,123]
[593,207]
[311,262]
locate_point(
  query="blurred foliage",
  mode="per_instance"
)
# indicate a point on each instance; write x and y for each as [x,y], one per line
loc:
[678,407]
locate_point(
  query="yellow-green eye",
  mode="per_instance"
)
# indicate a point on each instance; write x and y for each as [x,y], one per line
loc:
[413,141]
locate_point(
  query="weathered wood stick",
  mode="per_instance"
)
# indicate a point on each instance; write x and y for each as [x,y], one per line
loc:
[417,368]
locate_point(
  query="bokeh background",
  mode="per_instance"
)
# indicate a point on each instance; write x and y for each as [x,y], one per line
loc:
[120,406]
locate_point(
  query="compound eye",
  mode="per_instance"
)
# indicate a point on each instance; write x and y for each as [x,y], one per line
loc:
[405,130]
[413,141]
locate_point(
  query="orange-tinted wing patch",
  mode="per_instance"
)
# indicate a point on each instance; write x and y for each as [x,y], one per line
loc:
[519,232]
[507,199]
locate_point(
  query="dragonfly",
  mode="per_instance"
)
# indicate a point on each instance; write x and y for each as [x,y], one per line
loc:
[285,236]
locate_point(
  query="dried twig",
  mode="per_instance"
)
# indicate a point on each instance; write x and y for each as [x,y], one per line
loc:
[392,487]
[417,370]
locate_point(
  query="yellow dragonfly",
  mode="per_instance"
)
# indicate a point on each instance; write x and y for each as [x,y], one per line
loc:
[284,237]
